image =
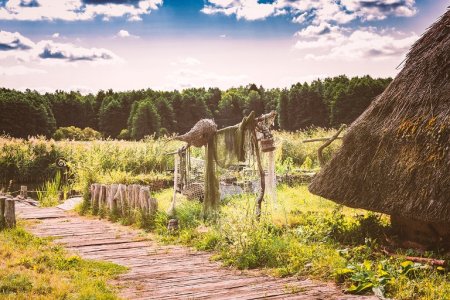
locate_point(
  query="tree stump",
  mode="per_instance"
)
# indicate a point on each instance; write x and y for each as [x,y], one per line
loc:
[2,212]
[10,213]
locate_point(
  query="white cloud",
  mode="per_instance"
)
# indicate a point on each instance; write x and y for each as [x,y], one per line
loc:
[318,11]
[187,78]
[380,9]
[19,70]
[23,49]
[14,41]
[362,43]
[186,61]
[68,52]
[223,36]
[55,35]
[125,34]
[75,10]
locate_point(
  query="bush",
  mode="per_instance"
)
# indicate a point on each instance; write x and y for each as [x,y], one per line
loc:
[76,134]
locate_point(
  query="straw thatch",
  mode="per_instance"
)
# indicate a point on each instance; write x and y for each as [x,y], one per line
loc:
[200,134]
[395,157]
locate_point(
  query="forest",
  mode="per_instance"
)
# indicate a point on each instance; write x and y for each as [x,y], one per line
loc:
[131,115]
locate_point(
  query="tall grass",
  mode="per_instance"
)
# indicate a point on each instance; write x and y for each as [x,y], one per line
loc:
[34,160]
[48,194]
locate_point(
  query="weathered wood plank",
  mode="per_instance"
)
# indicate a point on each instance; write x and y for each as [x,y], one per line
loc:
[162,272]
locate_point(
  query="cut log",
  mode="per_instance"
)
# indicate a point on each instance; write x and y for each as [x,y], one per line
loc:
[136,190]
[129,196]
[144,197]
[111,194]
[10,213]
[102,195]
[120,198]
[95,196]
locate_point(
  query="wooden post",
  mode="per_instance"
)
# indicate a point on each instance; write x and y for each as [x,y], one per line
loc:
[95,198]
[102,196]
[171,210]
[10,213]
[130,196]
[136,190]
[144,196]
[2,212]
[23,191]
[326,144]
[262,176]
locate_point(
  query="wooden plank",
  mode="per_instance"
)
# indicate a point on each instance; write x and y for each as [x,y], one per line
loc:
[164,272]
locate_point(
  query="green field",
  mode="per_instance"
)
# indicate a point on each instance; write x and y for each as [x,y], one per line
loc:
[300,235]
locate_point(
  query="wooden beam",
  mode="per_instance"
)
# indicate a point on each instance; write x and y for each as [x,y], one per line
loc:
[320,139]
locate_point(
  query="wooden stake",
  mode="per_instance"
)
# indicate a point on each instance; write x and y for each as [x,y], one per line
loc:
[262,176]
[23,191]
[102,196]
[171,210]
[2,212]
[10,213]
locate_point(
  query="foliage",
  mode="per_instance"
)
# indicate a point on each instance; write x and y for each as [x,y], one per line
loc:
[48,194]
[76,134]
[322,103]
[35,268]
[305,235]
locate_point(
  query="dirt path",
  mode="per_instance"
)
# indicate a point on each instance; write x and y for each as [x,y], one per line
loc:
[165,272]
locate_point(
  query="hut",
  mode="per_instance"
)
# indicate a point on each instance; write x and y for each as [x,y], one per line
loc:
[395,158]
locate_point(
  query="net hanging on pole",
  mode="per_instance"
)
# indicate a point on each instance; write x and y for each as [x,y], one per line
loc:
[232,163]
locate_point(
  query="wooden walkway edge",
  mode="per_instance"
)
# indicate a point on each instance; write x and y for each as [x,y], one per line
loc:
[165,272]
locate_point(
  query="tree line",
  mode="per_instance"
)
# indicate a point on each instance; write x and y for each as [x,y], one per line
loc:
[135,114]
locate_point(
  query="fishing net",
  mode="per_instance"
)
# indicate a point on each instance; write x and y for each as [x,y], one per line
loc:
[228,168]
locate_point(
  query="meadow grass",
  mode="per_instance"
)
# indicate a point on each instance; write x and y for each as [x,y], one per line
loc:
[307,236]
[35,268]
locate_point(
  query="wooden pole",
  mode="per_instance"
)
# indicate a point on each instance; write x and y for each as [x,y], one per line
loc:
[23,191]
[320,139]
[136,190]
[261,175]
[96,198]
[102,196]
[10,213]
[2,212]
[171,210]
[327,143]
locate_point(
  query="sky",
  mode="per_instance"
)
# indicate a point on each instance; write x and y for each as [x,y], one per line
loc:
[88,45]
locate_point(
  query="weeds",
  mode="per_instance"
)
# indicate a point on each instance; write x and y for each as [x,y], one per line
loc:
[34,268]
[48,194]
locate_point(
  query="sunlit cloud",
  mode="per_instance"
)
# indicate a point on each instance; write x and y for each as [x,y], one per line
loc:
[75,10]
[23,49]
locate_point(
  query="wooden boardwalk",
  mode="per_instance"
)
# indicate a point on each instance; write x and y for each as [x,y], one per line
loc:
[165,272]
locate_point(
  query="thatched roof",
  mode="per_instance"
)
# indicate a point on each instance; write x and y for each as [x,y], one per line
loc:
[395,157]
